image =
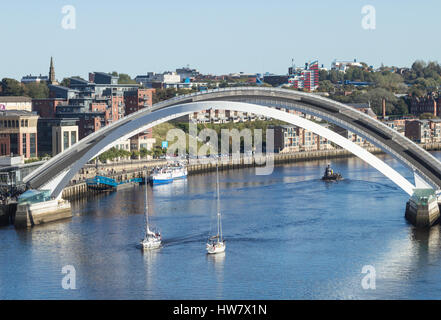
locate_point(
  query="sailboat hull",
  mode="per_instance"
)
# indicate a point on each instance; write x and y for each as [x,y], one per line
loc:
[150,244]
[216,248]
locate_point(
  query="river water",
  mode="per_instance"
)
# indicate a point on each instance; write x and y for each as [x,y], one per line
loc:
[289,236]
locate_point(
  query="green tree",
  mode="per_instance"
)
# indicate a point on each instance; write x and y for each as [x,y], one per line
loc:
[426,115]
[37,90]
[326,86]
[125,79]
[144,152]
[65,82]
[12,87]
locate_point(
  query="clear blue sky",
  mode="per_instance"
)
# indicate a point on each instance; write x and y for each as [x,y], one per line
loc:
[136,36]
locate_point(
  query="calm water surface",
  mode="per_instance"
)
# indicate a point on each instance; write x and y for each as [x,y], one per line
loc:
[289,236]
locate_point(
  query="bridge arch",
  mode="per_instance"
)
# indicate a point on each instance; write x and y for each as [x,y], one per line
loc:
[57,172]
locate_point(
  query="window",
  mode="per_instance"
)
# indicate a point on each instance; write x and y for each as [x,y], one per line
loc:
[23,143]
[56,143]
[14,143]
[73,137]
[65,140]
[33,145]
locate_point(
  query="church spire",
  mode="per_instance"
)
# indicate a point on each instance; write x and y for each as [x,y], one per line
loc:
[52,72]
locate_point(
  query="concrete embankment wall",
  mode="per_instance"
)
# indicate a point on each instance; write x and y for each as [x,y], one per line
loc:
[7,213]
[78,188]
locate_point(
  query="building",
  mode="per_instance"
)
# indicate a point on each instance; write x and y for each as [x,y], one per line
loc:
[158,80]
[423,131]
[187,73]
[49,79]
[52,73]
[142,141]
[138,99]
[18,132]
[34,79]
[290,138]
[103,78]
[47,108]
[99,101]
[343,65]
[427,104]
[61,92]
[397,124]
[15,103]
[56,135]
[418,130]
[307,79]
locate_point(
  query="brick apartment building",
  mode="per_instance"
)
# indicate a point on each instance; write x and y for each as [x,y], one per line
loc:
[424,131]
[427,104]
[290,138]
[47,108]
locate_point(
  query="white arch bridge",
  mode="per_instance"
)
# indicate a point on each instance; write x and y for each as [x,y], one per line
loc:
[56,173]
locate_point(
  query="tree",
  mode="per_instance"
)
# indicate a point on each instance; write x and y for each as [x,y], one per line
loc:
[326,86]
[390,81]
[65,82]
[426,115]
[36,90]
[144,152]
[125,79]
[12,87]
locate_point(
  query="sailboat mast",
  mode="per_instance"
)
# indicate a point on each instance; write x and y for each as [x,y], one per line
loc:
[146,205]
[219,223]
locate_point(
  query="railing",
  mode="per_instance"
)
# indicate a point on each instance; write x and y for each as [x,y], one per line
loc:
[110,181]
[101,180]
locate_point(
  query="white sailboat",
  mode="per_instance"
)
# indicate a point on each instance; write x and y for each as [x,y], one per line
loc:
[152,240]
[216,244]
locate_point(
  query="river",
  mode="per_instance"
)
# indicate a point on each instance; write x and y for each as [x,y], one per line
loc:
[289,236]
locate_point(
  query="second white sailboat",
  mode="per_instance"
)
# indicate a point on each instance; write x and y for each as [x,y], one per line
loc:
[216,244]
[152,240]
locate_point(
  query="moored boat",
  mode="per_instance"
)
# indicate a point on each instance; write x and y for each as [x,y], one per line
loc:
[161,175]
[168,173]
[179,171]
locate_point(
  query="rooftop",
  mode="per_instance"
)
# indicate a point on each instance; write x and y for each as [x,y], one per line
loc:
[6,99]
[8,113]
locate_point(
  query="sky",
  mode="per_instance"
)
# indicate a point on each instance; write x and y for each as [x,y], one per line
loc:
[217,37]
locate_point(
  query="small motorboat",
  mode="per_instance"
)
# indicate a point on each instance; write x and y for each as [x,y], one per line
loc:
[330,175]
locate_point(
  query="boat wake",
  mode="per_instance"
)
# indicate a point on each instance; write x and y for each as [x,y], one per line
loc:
[197,237]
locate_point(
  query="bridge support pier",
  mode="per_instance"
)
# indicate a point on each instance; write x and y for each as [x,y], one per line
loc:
[422,209]
[30,214]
